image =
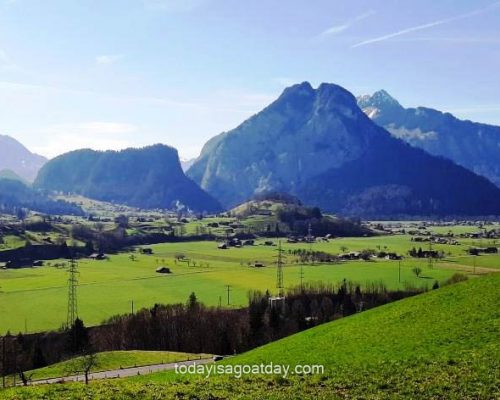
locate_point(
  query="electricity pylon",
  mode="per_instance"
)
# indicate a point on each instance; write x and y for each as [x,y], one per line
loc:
[279,270]
[72,298]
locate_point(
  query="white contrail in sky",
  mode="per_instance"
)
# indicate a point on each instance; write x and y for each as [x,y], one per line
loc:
[426,26]
[340,28]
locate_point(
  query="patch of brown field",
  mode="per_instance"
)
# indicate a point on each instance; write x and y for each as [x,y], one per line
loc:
[467,268]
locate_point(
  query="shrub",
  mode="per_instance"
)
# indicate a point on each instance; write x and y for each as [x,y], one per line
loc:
[455,278]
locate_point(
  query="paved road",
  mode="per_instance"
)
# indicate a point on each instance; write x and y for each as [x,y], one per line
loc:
[121,373]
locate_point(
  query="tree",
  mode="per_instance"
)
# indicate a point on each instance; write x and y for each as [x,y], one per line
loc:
[78,338]
[316,213]
[21,214]
[89,247]
[38,359]
[366,254]
[84,364]
[327,308]
[192,301]
[122,221]
[417,271]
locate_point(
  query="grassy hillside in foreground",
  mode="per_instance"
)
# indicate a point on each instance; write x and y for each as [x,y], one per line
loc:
[111,360]
[442,344]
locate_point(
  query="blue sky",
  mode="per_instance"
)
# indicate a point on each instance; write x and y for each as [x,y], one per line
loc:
[113,74]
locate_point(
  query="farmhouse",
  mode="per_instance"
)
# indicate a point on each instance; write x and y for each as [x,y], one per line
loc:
[353,255]
[393,256]
[487,250]
[163,270]
[147,250]
[97,256]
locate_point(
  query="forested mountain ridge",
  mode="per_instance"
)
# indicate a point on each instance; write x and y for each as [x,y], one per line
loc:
[318,145]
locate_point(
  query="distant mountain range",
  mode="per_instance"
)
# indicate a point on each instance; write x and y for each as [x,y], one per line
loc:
[319,145]
[362,157]
[17,158]
[470,144]
[150,177]
[186,164]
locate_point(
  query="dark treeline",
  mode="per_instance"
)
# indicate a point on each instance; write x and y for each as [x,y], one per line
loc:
[29,253]
[195,328]
[425,253]
[118,239]
[300,220]
[305,256]
[16,198]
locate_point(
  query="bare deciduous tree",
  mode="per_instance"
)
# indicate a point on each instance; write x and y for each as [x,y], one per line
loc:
[84,364]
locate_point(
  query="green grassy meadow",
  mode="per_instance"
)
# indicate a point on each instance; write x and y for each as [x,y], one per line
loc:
[111,360]
[442,344]
[34,299]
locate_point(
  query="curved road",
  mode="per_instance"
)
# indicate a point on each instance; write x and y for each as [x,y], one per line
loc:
[121,373]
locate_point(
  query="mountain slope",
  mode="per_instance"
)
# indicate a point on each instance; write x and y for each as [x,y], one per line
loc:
[318,145]
[16,157]
[470,144]
[15,195]
[9,174]
[150,177]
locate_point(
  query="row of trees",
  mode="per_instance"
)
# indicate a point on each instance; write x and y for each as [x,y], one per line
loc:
[195,328]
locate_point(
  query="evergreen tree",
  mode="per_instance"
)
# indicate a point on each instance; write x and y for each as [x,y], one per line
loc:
[78,337]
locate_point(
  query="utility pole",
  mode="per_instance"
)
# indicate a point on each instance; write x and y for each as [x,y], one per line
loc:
[72,298]
[220,301]
[301,278]
[132,307]
[228,292]
[474,258]
[399,272]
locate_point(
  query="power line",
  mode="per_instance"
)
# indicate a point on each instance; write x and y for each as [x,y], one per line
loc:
[310,240]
